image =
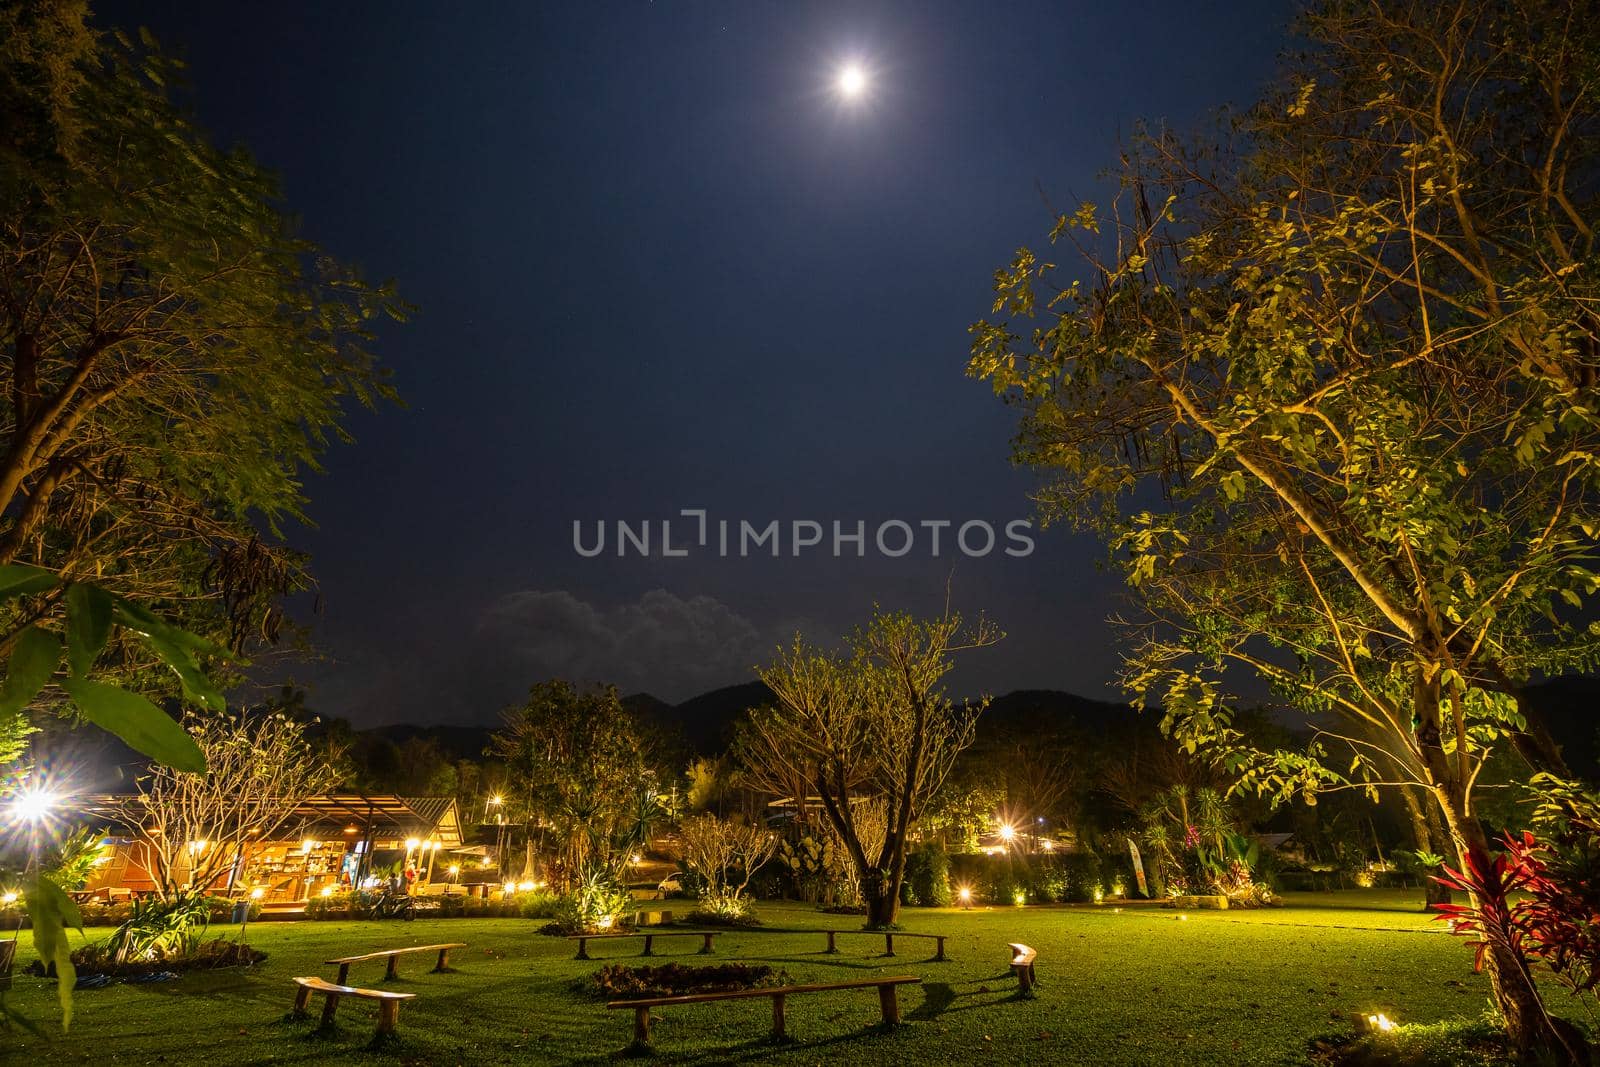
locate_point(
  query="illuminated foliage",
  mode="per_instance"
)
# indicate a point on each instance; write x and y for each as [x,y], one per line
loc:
[1350,345]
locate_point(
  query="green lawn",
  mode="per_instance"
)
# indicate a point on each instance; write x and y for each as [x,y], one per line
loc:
[1135,987]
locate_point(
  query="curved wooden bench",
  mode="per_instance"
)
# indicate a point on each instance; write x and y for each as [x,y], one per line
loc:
[1022,958]
[649,940]
[392,955]
[888,1002]
[888,940]
[388,1003]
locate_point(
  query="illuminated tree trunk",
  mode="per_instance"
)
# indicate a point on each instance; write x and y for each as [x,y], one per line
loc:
[1534,1033]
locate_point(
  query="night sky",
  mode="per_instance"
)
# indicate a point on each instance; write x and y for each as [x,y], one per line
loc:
[661,264]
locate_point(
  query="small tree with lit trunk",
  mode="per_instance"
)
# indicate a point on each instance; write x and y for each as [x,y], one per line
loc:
[193,828]
[715,849]
[873,724]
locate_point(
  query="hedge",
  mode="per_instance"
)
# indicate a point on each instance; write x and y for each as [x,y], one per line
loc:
[1042,878]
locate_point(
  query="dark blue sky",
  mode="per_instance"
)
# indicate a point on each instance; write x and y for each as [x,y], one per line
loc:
[659,265]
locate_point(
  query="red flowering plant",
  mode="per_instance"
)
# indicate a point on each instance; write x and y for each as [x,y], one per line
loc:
[1556,918]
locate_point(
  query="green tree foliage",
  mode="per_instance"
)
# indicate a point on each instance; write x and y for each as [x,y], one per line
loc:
[579,775]
[872,734]
[174,359]
[175,356]
[1353,339]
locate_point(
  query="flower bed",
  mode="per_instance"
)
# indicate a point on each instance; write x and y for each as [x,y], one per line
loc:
[676,979]
[97,960]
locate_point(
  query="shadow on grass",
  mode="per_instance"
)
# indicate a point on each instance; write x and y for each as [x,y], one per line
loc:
[754,1051]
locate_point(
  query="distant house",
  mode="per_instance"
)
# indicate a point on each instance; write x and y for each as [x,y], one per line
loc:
[332,841]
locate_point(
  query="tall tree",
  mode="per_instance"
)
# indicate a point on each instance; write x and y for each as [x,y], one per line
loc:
[1353,339]
[175,357]
[874,726]
[578,771]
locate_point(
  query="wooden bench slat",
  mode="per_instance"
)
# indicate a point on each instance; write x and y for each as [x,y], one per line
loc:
[769,991]
[386,953]
[319,985]
[651,933]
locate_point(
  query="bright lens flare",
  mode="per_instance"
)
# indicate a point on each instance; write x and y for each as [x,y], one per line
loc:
[33,805]
[852,81]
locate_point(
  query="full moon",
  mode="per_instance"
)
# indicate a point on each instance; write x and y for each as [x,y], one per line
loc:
[852,81]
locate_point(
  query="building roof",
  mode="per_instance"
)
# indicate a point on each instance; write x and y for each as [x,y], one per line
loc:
[381,814]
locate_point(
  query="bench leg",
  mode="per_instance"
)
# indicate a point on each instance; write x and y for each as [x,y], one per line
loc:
[641,1030]
[330,1004]
[444,961]
[649,943]
[388,1016]
[832,949]
[939,956]
[888,944]
[705,949]
[302,1000]
[393,970]
[583,949]
[344,974]
[779,1033]
[889,1001]
[1024,980]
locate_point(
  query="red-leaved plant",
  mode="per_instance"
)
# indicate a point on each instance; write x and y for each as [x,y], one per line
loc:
[1557,920]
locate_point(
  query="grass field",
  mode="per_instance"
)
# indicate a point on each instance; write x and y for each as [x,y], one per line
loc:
[1130,987]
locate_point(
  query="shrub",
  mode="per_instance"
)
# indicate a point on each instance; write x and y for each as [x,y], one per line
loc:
[162,929]
[927,882]
[724,909]
[101,959]
[594,905]
[538,904]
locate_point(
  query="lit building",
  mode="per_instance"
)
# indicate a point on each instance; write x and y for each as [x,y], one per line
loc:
[335,840]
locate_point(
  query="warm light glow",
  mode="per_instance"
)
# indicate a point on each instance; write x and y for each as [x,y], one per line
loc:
[1183,918]
[307,845]
[636,859]
[455,869]
[964,893]
[327,890]
[495,800]
[604,922]
[1380,1022]
[511,887]
[198,846]
[527,887]
[852,81]
[1099,895]
[9,898]
[257,893]
[1020,899]
[1007,831]
[411,844]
